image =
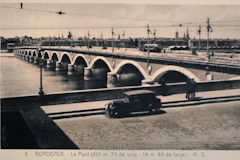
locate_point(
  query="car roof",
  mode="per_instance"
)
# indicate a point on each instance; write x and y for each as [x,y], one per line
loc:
[129,93]
[154,45]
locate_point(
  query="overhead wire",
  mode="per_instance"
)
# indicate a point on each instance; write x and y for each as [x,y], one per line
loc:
[170,24]
[35,10]
[117,17]
[117,27]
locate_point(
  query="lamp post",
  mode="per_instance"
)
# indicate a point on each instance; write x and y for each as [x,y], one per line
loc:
[41,93]
[112,40]
[88,39]
[199,40]
[125,45]
[148,49]
[148,52]
[209,29]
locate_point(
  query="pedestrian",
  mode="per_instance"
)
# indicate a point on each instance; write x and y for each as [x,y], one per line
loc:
[188,88]
[193,89]
[163,87]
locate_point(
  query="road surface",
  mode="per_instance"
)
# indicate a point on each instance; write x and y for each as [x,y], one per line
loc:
[213,123]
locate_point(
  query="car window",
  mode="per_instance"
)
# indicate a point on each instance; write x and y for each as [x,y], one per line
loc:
[135,99]
[148,97]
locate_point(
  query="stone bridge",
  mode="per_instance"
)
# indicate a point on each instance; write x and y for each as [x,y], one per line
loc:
[126,69]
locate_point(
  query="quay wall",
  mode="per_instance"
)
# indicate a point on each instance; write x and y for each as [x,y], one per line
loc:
[13,103]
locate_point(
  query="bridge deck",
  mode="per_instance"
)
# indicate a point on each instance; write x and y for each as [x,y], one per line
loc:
[223,60]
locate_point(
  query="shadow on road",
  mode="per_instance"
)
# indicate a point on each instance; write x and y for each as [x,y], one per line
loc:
[142,114]
[77,115]
[77,111]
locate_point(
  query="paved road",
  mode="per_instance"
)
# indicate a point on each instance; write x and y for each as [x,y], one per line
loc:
[214,124]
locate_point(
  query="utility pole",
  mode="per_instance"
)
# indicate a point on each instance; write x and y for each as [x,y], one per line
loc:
[123,35]
[102,39]
[199,41]
[148,51]
[148,32]
[154,34]
[88,39]
[209,29]
[41,93]
[112,39]
[49,41]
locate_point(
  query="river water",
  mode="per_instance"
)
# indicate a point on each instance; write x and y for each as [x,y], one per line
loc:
[20,78]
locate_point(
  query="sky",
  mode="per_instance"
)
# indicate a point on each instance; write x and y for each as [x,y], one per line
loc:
[131,18]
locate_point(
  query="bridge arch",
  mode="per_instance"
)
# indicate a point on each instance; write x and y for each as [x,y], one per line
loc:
[26,52]
[46,55]
[29,53]
[34,53]
[133,63]
[82,57]
[160,72]
[65,56]
[54,57]
[97,59]
[39,55]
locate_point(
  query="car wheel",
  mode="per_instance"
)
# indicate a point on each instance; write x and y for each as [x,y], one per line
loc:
[151,109]
[113,114]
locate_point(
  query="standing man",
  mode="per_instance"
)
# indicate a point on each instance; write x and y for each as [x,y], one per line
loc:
[163,87]
[193,88]
[188,88]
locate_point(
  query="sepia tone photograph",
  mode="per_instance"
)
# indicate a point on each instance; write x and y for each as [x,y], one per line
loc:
[118,75]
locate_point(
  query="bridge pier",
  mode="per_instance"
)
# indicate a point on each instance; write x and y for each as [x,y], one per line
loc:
[49,63]
[112,80]
[58,66]
[70,69]
[27,58]
[88,75]
[100,73]
[35,60]
[31,59]
[42,60]
[79,69]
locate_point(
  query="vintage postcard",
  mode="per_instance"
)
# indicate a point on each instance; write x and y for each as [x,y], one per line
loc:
[108,79]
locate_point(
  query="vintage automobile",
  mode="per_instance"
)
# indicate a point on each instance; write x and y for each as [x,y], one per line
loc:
[133,101]
[151,48]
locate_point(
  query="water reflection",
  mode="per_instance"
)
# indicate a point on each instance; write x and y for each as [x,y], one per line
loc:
[19,77]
